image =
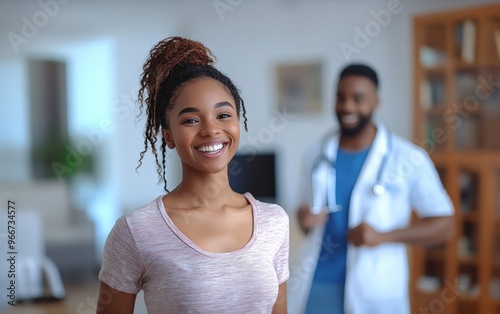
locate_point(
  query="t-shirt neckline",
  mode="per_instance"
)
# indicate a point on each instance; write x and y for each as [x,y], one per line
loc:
[194,246]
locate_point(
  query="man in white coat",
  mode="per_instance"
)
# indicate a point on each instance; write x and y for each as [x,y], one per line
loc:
[355,260]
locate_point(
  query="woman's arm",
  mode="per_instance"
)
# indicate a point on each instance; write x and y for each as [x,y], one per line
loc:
[112,301]
[280,305]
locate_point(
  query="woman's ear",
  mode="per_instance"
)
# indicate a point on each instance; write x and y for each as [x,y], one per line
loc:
[168,138]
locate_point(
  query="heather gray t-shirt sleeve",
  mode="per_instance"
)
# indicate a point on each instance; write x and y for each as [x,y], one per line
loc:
[121,265]
[146,251]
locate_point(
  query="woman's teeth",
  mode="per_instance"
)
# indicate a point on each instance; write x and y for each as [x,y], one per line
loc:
[211,149]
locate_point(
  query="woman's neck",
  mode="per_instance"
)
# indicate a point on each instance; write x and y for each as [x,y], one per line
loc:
[209,190]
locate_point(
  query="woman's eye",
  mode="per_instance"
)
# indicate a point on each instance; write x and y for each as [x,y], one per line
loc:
[224,116]
[189,121]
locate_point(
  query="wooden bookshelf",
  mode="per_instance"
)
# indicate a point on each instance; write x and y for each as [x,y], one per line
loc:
[457,120]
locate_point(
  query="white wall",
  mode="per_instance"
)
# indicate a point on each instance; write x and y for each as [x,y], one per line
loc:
[248,41]
[255,35]
[14,123]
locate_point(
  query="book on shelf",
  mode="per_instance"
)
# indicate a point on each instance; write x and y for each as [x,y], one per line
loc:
[467,134]
[468,191]
[432,92]
[425,94]
[466,83]
[437,91]
[468,41]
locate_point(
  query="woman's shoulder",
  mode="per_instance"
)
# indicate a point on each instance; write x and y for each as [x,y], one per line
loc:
[145,214]
[267,209]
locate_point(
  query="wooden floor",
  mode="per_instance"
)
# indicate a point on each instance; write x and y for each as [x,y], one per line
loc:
[79,300]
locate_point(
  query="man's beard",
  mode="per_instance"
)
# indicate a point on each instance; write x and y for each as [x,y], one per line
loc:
[362,124]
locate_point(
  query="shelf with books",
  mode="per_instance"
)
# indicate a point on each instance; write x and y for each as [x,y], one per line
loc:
[465,40]
[467,281]
[467,132]
[433,51]
[456,55]
[477,86]
[468,244]
[433,90]
[494,286]
[466,82]
[469,191]
[432,279]
[492,39]
[436,134]
[478,129]
[434,270]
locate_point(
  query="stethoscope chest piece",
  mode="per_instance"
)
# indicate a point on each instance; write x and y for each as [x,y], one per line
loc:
[378,189]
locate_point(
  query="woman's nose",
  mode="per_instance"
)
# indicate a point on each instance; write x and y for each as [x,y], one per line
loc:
[209,128]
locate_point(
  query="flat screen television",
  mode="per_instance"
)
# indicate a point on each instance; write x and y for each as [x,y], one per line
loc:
[254,173]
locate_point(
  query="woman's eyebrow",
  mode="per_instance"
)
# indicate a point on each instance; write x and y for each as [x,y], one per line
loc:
[194,109]
[188,110]
[223,104]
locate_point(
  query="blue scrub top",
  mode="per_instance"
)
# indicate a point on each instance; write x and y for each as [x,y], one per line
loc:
[331,268]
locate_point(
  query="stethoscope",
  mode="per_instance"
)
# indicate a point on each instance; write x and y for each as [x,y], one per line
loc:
[323,179]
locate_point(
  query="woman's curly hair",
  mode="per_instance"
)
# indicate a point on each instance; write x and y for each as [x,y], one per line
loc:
[171,64]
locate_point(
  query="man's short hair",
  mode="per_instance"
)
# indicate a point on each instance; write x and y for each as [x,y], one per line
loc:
[361,70]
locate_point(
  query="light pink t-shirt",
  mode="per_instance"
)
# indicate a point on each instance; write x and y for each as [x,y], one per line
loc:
[146,251]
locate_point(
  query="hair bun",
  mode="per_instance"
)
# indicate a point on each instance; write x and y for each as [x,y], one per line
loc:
[166,55]
[174,51]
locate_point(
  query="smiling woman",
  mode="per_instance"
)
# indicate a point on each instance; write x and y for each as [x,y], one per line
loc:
[201,248]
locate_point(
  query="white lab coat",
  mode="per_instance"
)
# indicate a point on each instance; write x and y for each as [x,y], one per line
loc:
[376,278]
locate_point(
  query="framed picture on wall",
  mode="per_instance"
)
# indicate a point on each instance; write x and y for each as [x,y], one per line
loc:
[299,87]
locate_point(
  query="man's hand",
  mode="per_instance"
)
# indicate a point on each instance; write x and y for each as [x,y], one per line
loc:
[364,234]
[308,220]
